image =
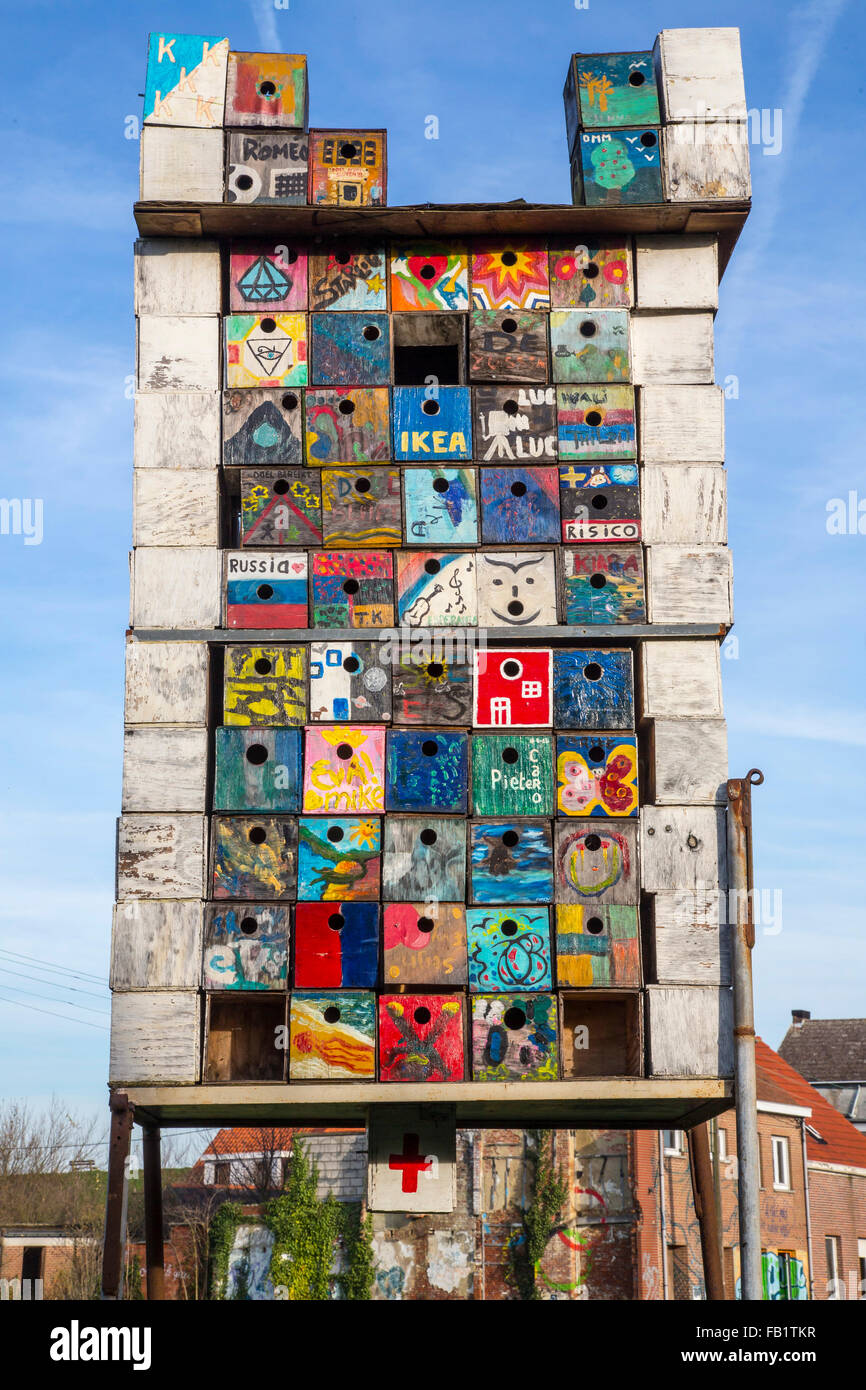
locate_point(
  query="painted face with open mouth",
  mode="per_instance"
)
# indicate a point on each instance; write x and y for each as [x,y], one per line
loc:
[517,591]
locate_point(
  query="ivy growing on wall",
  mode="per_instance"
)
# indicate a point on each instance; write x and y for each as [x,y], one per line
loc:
[306,1230]
[549,1191]
[221,1237]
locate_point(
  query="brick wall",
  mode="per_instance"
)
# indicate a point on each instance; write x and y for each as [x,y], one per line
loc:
[838,1207]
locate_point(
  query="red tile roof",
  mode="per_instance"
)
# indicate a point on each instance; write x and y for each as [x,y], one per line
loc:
[266,1138]
[840,1141]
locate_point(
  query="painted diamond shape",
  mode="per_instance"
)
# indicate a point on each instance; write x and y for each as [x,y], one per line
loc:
[263,282]
[268,353]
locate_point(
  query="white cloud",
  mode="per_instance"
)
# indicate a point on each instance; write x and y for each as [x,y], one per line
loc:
[265,19]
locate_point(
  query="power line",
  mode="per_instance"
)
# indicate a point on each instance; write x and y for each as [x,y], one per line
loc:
[58,969]
[66,1017]
[70,1003]
[71,989]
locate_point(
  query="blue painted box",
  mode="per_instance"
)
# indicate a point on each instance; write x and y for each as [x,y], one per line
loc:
[432,426]
[440,506]
[426,770]
[509,948]
[519,504]
[257,769]
[593,689]
[246,948]
[619,166]
[511,861]
[349,349]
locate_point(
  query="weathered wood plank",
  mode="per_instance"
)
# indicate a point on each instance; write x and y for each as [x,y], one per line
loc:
[166,682]
[179,430]
[688,585]
[181,166]
[680,680]
[154,1038]
[703,162]
[682,424]
[676,348]
[178,353]
[156,945]
[690,1031]
[700,74]
[508,345]
[173,587]
[161,856]
[689,760]
[683,848]
[677,272]
[177,275]
[164,769]
[684,504]
[175,507]
[691,946]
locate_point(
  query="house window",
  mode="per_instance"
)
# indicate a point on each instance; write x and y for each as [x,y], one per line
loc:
[679,1271]
[222,1173]
[674,1141]
[722,1144]
[835,1290]
[781,1164]
[861,1261]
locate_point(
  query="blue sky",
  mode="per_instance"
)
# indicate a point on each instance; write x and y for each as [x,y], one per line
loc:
[790,328]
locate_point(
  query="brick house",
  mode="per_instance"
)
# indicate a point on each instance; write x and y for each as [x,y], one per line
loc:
[831,1054]
[812,1201]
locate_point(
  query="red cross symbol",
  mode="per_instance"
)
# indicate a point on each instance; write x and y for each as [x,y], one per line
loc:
[411,1162]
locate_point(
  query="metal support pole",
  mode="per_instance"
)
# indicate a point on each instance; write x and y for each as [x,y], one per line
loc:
[154,1248]
[704,1195]
[115,1198]
[742,941]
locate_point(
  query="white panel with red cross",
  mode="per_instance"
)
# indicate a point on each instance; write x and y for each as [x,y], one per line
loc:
[513,689]
[412,1154]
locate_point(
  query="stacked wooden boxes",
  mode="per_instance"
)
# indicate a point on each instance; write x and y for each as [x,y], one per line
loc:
[233,127]
[425,753]
[666,125]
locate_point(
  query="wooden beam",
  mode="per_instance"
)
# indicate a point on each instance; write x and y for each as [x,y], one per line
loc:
[153,1236]
[114,1241]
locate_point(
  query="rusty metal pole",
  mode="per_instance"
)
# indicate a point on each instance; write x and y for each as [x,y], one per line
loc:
[703,1191]
[115,1198]
[153,1242]
[745,1080]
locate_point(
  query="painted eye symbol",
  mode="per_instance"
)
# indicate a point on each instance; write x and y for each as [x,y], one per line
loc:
[530,581]
[497,583]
